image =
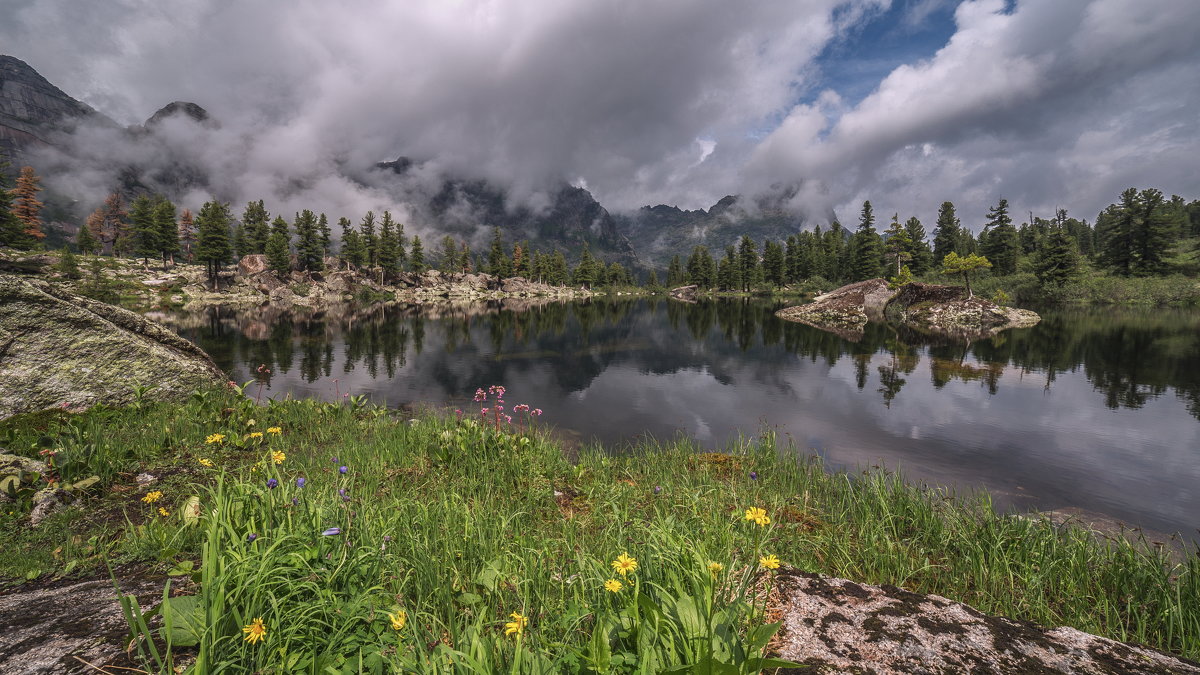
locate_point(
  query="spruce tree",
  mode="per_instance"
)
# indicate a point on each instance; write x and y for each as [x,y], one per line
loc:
[417,256]
[675,272]
[258,229]
[836,253]
[584,274]
[325,235]
[310,255]
[1056,261]
[866,248]
[241,241]
[279,256]
[353,251]
[747,261]
[947,235]
[448,261]
[1000,242]
[773,263]
[370,241]
[388,255]
[897,244]
[85,240]
[212,238]
[68,266]
[26,207]
[145,230]
[168,230]
[921,256]
[499,264]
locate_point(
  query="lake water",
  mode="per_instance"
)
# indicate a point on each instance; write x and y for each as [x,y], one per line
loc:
[1093,409]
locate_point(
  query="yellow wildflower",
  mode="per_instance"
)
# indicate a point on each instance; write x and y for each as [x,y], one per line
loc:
[278,457]
[204,461]
[255,631]
[715,567]
[758,516]
[274,430]
[398,619]
[770,562]
[612,585]
[517,625]
[256,434]
[163,512]
[624,564]
[152,497]
[214,438]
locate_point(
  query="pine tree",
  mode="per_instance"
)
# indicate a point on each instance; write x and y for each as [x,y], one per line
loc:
[652,280]
[837,264]
[145,230]
[584,274]
[947,235]
[241,240]
[747,261]
[212,245]
[279,255]
[388,256]
[773,263]
[499,264]
[1000,242]
[187,234]
[1157,227]
[68,266]
[953,263]
[353,251]
[558,269]
[1056,261]
[26,207]
[370,242]
[85,240]
[325,235]
[921,256]
[897,244]
[310,255]
[675,272]
[12,230]
[258,229]
[448,261]
[168,230]
[417,256]
[866,248]
[701,268]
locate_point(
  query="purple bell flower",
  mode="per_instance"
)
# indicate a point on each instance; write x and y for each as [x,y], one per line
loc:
[332,532]
[251,537]
[753,475]
[342,469]
[271,483]
[300,482]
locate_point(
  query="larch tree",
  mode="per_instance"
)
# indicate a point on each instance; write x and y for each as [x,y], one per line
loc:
[12,231]
[187,234]
[25,205]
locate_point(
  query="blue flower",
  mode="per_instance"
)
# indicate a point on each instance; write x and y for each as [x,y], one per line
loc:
[251,537]
[331,532]
[657,489]
[342,469]
[300,482]
[753,475]
[271,483]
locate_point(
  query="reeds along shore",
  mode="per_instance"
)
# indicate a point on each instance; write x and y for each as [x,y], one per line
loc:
[306,534]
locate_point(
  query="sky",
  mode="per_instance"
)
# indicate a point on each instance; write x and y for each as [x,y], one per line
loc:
[908,103]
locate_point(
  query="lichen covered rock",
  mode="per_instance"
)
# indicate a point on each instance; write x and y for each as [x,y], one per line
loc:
[838,626]
[60,350]
[947,311]
[845,310]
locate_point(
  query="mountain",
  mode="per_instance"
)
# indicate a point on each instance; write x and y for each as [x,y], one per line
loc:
[33,111]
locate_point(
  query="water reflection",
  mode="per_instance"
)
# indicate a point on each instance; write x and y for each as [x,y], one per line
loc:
[1091,409]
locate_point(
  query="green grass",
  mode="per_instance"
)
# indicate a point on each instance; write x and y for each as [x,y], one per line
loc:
[459,525]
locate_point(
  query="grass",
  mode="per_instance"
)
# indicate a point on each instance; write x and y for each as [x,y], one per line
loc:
[456,525]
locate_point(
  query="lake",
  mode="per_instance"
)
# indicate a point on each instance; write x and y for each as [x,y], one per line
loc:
[1094,410]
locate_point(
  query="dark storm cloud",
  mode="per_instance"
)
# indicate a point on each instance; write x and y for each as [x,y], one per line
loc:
[1057,102]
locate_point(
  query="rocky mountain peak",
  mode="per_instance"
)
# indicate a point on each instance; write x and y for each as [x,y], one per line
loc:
[186,108]
[32,109]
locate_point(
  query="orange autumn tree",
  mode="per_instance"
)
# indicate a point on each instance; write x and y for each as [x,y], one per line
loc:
[26,206]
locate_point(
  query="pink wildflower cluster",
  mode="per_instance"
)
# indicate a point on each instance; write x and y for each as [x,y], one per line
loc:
[496,411]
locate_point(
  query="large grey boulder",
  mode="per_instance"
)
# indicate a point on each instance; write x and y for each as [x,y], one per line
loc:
[839,626]
[61,350]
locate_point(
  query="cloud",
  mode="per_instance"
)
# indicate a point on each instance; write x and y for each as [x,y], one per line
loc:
[1049,102]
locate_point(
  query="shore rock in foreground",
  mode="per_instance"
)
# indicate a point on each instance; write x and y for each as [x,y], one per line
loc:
[838,626]
[58,349]
[926,308]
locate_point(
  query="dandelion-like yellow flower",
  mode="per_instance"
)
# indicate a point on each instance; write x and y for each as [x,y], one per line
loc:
[256,434]
[274,430]
[612,585]
[516,626]
[255,631]
[278,457]
[152,497]
[214,438]
[398,619]
[204,461]
[715,568]
[624,564]
[770,562]
[163,512]
[758,516]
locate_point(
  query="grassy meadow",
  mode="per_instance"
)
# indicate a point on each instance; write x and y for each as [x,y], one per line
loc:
[302,536]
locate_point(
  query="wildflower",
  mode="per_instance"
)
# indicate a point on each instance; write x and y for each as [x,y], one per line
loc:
[163,512]
[274,430]
[508,419]
[480,395]
[342,469]
[521,408]
[624,564]
[333,531]
[256,434]
[300,482]
[152,497]
[715,568]
[204,461]
[398,619]
[657,489]
[263,369]
[483,411]
[770,562]
[334,459]
[753,475]
[295,501]
[214,438]
[251,537]
[278,457]
[612,585]
[517,625]
[758,516]
[537,412]
[255,631]
[271,483]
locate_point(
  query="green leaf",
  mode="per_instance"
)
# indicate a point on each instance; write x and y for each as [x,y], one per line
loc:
[191,510]
[760,636]
[185,617]
[181,568]
[85,483]
[9,485]
[468,598]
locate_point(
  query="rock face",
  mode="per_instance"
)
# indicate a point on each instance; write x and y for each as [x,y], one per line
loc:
[31,109]
[838,626]
[930,309]
[58,349]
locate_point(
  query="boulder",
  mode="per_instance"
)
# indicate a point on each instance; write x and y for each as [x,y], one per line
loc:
[845,309]
[250,265]
[838,626]
[947,311]
[61,350]
[684,293]
[282,295]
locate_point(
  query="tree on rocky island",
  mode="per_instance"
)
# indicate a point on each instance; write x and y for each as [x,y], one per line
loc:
[953,263]
[212,239]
